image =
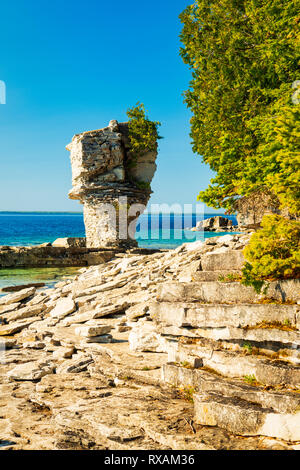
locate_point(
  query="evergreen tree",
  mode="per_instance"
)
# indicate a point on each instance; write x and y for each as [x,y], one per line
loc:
[244,57]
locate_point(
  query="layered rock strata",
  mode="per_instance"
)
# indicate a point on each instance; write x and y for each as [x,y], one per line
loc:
[108,181]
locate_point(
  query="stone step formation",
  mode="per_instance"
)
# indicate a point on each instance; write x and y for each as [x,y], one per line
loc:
[137,353]
[238,355]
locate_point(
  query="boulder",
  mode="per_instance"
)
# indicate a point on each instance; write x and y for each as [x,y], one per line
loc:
[213,223]
[144,337]
[70,242]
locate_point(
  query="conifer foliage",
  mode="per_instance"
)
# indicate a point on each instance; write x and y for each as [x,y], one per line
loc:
[244,57]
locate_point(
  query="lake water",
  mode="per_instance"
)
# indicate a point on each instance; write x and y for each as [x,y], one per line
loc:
[28,229]
[153,230]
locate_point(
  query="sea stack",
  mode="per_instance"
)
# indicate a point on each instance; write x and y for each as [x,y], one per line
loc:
[113,186]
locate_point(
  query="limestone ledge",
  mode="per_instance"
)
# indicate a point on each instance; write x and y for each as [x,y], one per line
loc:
[52,256]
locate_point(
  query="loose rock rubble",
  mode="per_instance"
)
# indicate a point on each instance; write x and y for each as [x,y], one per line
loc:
[152,351]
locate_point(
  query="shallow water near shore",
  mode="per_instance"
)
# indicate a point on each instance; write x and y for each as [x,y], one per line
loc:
[14,277]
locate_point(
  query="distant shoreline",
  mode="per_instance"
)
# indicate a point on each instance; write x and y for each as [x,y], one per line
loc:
[81,213]
[40,213]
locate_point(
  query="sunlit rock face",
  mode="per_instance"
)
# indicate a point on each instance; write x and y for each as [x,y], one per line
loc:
[252,208]
[108,183]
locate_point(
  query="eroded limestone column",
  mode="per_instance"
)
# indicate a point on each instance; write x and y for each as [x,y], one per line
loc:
[109,185]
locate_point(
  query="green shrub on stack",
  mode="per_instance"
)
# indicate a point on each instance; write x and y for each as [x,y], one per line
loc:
[143,133]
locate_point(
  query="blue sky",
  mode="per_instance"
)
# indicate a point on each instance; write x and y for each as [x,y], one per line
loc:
[71,66]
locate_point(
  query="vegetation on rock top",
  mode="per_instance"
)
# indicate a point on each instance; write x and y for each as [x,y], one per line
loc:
[143,133]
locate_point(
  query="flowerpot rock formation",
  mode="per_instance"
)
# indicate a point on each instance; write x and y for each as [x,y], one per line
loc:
[113,187]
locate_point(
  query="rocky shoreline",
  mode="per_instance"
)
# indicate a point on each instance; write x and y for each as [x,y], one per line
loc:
[219,224]
[152,351]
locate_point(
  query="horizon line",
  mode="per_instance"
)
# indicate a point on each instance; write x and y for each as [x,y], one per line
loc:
[81,213]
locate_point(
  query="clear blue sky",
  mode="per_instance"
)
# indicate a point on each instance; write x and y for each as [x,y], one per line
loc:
[71,66]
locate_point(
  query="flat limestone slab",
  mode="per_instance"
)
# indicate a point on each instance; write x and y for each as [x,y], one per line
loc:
[225,292]
[184,314]
[88,342]
[76,319]
[230,260]
[88,331]
[243,418]
[203,347]
[25,312]
[63,307]
[17,297]
[266,372]
[68,337]
[200,276]
[203,381]
[6,343]
[9,308]
[31,371]
[97,289]
[236,365]
[22,287]
[16,327]
[78,363]
[259,335]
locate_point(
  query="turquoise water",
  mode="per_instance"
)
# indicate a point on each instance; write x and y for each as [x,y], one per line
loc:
[49,276]
[28,229]
[153,230]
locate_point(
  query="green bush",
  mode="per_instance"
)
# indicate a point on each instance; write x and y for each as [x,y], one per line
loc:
[273,252]
[143,133]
